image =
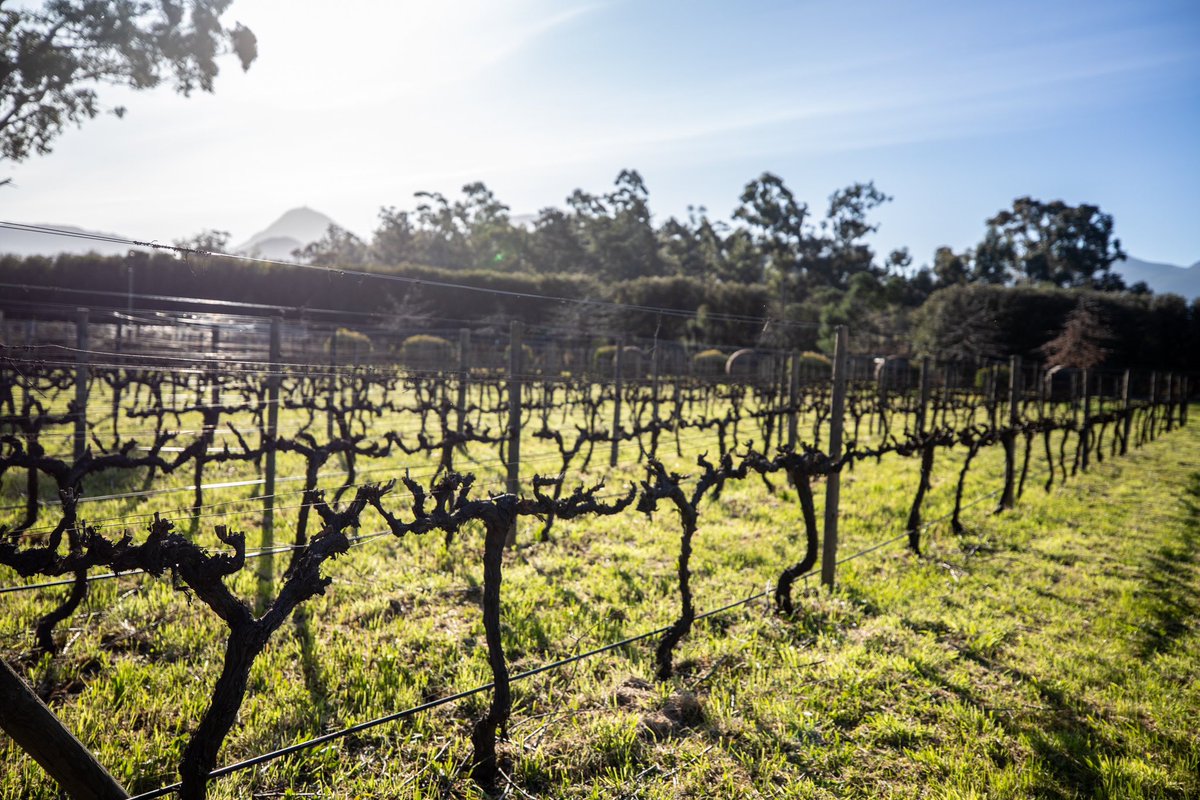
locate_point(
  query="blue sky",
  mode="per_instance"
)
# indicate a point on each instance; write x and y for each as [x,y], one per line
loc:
[954,108]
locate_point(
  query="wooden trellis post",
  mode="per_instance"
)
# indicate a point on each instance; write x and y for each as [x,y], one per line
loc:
[81,381]
[793,399]
[1183,401]
[833,481]
[654,367]
[1170,402]
[266,568]
[332,395]
[923,407]
[215,375]
[36,730]
[516,335]
[1010,439]
[618,385]
[1126,411]
[1085,430]
[464,373]
[1152,416]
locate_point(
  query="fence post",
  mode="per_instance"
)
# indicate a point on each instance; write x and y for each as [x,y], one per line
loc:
[1010,438]
[1126,412]
[266,568]
[654,367]
[1153,405]
[215,375]
[1170,398]
[332,397]
[923,408]
[914,514]
[1085,428]
[464,371]
[618,382]
[516,336]
[1183,401]
[833,481]
[36,730]
[793,400]
[81,381]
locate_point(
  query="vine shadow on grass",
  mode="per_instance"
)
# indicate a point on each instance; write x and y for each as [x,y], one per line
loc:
[1169,598]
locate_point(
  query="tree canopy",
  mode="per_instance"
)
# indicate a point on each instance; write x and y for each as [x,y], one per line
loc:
[1053,242]
[816,270]
[54,59]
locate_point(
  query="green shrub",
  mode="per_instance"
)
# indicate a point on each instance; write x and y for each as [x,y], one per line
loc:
[426,349]
[813,359]
[814,366]
[350,344]
[528,359]
[602,358]
[709,363]
[982,377]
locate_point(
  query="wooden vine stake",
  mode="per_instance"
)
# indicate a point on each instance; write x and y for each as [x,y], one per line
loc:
[654,430]
[1009,436]
[833,481]
[1170,400]
[33,726]
[793,399]
[927,448]
[515,336]
[464,373]
[1126,411]
[618,369]
[1085,428]
[1152,416]
[332,396]
[214,375]
[1183,400]
[266,565]
[81,381]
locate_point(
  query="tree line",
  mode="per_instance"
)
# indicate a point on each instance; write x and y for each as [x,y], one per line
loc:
[779,274]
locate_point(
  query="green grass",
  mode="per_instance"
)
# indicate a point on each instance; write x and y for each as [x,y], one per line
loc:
[1051,652]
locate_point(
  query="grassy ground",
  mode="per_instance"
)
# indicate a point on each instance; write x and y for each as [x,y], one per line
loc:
[1052,652]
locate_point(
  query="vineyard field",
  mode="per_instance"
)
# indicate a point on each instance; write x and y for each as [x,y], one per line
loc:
[579,587]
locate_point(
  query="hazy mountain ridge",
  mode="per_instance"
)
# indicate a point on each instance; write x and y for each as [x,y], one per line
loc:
[34,243]
[293,230]
[1161,278]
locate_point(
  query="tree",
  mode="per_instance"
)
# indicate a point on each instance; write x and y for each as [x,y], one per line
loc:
[616,229]
[848,255]
[696,248]
[949,268]
[337,248]
[995,259]
[1080,342]
[493,240]
[442,239]
[777,221]
[210,240]
[1058,243]
[555,244]
[54,60]
[395,240]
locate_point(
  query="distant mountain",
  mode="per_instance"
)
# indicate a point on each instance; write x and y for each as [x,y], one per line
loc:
[274,247]
[295,229]
[34,243]
[1161,278]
